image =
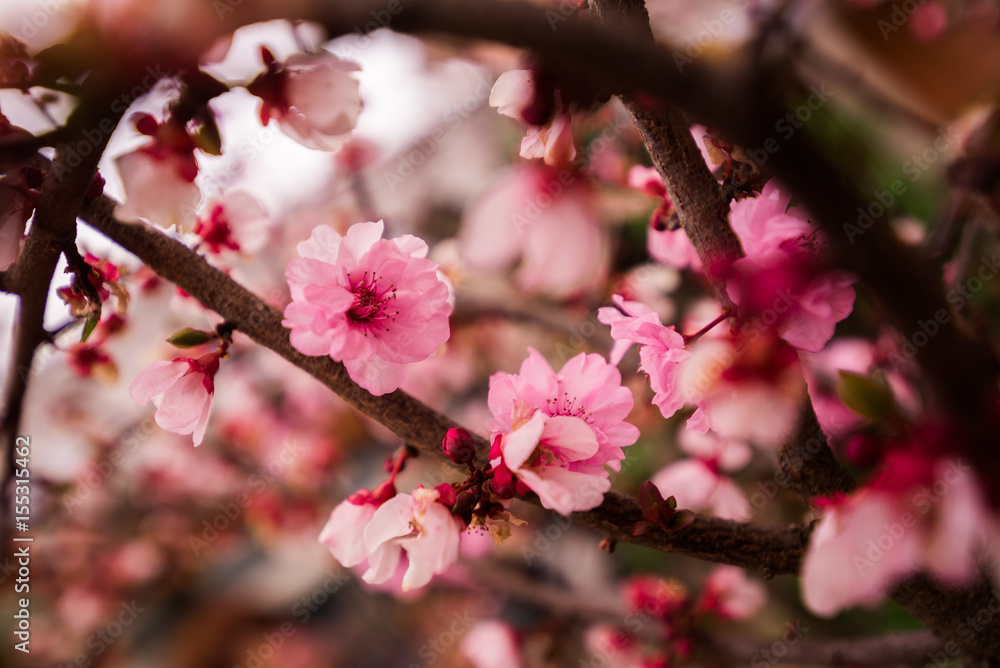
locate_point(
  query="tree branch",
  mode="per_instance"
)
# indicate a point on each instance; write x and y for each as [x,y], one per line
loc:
[67,180]
[908,648]
[771,550]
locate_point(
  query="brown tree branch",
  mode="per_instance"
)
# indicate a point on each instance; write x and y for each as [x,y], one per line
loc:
[702,206]
[771,550]
[53,228]
[898,648]
[806,460]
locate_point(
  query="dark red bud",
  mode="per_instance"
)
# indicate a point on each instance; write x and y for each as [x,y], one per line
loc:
[459,446]
[446,494]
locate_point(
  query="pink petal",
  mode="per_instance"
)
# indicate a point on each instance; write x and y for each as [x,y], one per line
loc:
[565,491]
[570,437]
[512,92]
[391,520]
[434,550]
[520,443]
[156,379]
[375,374]
[344,532]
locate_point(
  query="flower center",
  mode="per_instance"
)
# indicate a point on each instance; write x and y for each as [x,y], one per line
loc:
[371,306]
[566,405]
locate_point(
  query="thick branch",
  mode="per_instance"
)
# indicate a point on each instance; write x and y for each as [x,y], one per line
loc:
[909,648]
[53,228]
[768,549]
[702,207]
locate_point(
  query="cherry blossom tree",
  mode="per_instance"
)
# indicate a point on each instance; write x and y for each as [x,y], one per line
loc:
[606,333]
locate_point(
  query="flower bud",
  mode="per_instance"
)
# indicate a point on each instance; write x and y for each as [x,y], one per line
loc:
[459,446]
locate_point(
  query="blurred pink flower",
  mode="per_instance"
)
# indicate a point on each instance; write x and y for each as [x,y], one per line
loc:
[776,283]
[159,177]
[730,593]
[745,388]
[547,220]
[553,143]
[416,523]
[919,515]
[236,221]
[929,21]
[374,304]
[514,95]
[491,644]
[558,431]
[344,532]
[697,485]
[313,97]
[181,390]
[669,247]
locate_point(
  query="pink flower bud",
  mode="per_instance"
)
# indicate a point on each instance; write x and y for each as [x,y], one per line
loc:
[459,446]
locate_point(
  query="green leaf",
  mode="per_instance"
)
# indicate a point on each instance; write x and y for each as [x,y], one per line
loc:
[866,395]
[93,318]
[189,338]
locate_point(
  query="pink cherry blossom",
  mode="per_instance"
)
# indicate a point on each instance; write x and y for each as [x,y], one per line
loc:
[697,485]
[550,227]
[919,515]
[558,431]
[491,644]
[730,593]
[513,94]
[236,221]
[672,248]
[313,97]
[344,532]
[158,177]
[416,523]
[776,280]
[181,390]
[553,143]
[374,304]
[669,247]
[661,349]
[745,388]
